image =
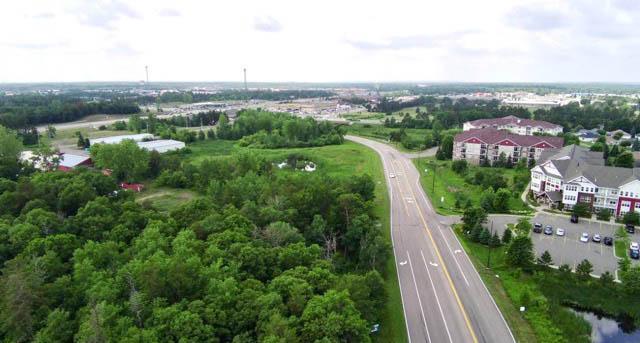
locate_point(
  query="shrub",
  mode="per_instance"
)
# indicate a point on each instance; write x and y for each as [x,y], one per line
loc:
[459,166]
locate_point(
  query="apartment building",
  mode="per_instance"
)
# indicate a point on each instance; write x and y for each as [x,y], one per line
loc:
[475,146]
[574,174]
[515,125]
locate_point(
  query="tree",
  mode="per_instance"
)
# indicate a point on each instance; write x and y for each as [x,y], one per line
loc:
[624,160]
[520,252]
[606,279]
[603,214]
[473,216]
[631,280]
[333,317]
[501,200]
[201,135]
[523,227]
[632,218]
[58,328]
[615,151]
[446,147]
[127,161]
[485,236]
[459,166]
[545,259]
[617,135]
[495,240]
[636,145]
[501,162]
[506,236]
[211,134]
[487,200]
[10,148]
[152,123]
[135,123]
[584,268]
[582,210]
[532,163]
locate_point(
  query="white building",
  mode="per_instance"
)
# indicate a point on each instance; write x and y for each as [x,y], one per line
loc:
[513,124]
[574,175]
[118,139]
[162,145]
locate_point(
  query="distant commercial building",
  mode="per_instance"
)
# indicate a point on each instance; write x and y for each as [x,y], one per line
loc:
[69,161]
[513,124]
[574,174]
[118,139]
[162,145]
[476,146]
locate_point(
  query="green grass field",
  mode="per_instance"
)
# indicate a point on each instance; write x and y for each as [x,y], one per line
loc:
[163,198]
[341,161]
[447,183]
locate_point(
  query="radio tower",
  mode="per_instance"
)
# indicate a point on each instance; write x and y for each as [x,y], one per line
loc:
[146,71]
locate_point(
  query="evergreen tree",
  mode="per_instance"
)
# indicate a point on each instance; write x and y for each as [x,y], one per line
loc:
[545,259]
[495,240]
[485,236]
[506,236]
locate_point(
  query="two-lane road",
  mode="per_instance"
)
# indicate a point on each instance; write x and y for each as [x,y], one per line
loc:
[443,297]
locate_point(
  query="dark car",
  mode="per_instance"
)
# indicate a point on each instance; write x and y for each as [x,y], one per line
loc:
[630,228]
[607,241]
[537,228]
[635,254]
[548,230]
[574,218]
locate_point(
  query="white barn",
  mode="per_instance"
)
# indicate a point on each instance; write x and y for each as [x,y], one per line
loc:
[162,145]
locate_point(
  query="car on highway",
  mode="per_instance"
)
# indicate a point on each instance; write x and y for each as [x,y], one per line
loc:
[574,218]
[560,232]
[584,237]
[607,240]
[596,238]
[548,230]
[392,175]
[537,228]
[630,228]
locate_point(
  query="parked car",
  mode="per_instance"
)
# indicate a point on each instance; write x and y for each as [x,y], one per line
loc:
[597,238]
[607,240]
[548,230]
[574,218]
[634,246]
[630,228]
[584,237]
[560,232]
[537,228]
[635,254]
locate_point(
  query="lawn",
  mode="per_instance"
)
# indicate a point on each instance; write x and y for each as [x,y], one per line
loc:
[442,190]
[164,199]
[336,160]
[544,319]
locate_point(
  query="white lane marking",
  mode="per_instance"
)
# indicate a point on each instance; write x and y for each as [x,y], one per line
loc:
[464,277]
[436,294]
[420,300]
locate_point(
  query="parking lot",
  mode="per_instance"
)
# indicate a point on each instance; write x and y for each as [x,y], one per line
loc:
[568,248]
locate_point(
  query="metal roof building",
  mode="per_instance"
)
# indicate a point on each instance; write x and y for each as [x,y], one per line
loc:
[162,145]
[117,139]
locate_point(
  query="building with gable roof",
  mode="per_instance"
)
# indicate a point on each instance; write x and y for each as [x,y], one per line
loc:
[573,175]
[478,146]
[515,125]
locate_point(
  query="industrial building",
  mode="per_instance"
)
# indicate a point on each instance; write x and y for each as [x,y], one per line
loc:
[162,145]
[69,161]
[118,139]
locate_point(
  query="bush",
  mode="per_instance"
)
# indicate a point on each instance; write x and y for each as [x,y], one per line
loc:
[582,210]
[632,218]
[459,166]
[603,215]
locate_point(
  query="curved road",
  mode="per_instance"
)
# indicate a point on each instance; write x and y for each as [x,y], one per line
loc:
[443,297]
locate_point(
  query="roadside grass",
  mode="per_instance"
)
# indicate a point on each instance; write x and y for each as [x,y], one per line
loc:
[543,320]
[341,161]
[621,247]
[447,183]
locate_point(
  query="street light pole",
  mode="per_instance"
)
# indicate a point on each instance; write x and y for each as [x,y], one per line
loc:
[433,180]
[490,247]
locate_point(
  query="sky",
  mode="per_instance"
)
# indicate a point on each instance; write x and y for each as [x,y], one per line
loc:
[321,41]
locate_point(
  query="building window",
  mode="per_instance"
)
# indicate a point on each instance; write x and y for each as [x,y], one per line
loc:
[637,206]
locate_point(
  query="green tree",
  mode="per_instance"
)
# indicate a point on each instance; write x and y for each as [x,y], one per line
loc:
[606,279]
[152,123]
[473,216]
[333,317]
[624,160]
[603,214]
[615,151]
[506,236]
[584,268]
[487,200]
[495,240]
[485,236]
[201,135]
[135,123]
[582,210]
[631,280]
[58,328]
[446,147]
[523,227]
[127,161]
[459,166]
[632,218]
[545,259]
[10,148]
[501,200]
[520,252]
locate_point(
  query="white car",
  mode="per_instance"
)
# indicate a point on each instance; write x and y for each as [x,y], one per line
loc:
[635,246]
[584,237]
[392,175]
[560,232]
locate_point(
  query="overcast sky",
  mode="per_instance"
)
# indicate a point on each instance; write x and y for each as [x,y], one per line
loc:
[317,41]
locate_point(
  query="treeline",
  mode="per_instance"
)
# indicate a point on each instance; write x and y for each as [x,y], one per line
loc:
[574,116]
[263,129]
[234,94]
[28,110]
[257,256]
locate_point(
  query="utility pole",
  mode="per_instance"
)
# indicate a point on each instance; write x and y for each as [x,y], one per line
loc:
[146,71]
[433,180]
[490,247]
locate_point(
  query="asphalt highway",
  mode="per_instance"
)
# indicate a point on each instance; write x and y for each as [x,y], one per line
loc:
[444,298]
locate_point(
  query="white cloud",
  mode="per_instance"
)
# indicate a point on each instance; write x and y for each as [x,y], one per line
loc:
[409,40]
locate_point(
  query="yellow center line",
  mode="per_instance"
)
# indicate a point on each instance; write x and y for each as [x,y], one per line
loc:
[444,267]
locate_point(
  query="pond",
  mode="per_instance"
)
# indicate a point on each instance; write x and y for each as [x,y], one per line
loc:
[609,330]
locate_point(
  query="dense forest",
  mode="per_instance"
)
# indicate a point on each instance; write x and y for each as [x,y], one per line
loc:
[263,129]
[235,94]
[28,110]
[260,255]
